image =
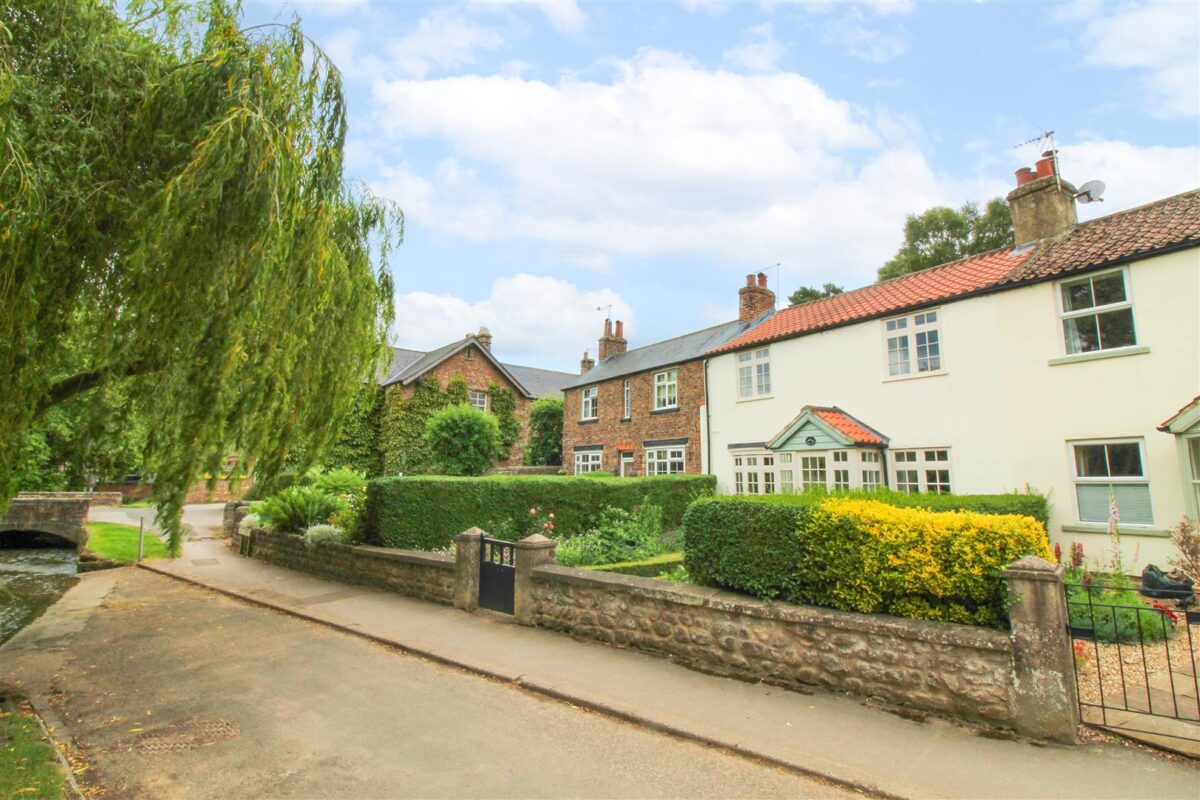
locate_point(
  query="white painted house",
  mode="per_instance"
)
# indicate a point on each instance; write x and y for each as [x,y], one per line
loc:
[1060,364]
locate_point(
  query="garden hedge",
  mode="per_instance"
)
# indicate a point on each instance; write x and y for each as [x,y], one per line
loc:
[859,554]
[650,568]
[427,512]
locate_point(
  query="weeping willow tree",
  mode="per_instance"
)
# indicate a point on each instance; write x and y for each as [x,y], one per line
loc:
[174,219]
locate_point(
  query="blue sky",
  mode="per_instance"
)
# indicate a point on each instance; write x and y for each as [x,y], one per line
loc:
[553,157]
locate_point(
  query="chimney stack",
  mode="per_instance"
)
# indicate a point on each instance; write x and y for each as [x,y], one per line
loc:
[612,345]
[484,337]
[755,299]
[585,363]
[1043,204]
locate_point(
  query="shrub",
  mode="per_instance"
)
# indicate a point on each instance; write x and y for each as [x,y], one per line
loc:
[861,555]
[249,523]
[1114,611]
[296,508]
[1186,538]
[1028,503]
[427,512]
[647,568]
[545,432]
[340,482]
[316,535]
[620,536]
[462,440]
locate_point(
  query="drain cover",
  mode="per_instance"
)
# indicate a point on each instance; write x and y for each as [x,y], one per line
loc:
[186,734]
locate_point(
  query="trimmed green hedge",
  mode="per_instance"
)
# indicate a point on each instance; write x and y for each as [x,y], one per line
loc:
[864,552]
[427,512]
[1028,504]
[650,568]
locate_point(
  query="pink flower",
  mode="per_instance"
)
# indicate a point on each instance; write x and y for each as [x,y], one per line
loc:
[533,511]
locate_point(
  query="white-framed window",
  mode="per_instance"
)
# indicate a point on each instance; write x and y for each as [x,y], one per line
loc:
[1111,468]
[841,456]
[754,373]
[739,475]
[841,479]
[1096,313]
[914,344]
[666,389]
[665,460]
[590,403]
[787,481]
[812,472]
[479,399]
[870,479]
[627,407]
[923,470]
[1193,446]
[588,461]
[870,456]
[754,473]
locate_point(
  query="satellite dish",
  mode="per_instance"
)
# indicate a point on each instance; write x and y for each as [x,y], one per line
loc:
[1090,192]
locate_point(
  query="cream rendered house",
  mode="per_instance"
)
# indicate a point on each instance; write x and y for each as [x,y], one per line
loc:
[1060,364]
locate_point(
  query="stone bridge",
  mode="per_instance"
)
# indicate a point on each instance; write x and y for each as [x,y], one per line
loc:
[61,517]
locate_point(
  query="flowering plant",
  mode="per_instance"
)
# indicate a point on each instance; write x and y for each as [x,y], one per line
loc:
[1081,653]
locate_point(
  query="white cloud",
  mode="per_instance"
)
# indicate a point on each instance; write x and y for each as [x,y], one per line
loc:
[883,8]
[535,320]
[564,15]
[758,52]
[443,39]
[1160,39]
[711,7]
[866,43]
[1132,175]
[330,8]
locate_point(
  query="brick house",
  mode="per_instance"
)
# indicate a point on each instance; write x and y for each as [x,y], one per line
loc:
[471,358]
[642,411]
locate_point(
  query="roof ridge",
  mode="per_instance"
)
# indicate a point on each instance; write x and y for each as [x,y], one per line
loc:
[1142,207]
[673,338]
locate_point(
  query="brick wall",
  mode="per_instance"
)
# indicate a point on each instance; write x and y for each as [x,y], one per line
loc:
[617,434]
[478,372]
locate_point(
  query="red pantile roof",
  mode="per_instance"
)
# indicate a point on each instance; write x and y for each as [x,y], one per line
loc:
[1173,222]
[909,291]
[1166,426]
[846,424]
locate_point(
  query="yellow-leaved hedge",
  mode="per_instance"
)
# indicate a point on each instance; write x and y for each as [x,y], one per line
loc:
[863,555]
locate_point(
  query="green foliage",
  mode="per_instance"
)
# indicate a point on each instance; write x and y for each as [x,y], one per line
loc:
[806,294]
[118,542]
[1028,503]
[1109,605]
[296,508]
[619,536]
[427,512]
[859,554]
[647,568]
[545,432]
[316,535]
[339,482]
[503,404]
[29,768]
[457,391]
[357,446]
[462,440]
[175,222]
[402,431]
[940,235]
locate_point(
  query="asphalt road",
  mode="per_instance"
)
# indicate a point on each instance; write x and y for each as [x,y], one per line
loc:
[175,692]
[204,519]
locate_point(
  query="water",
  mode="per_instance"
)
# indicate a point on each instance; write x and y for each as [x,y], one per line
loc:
[32,578]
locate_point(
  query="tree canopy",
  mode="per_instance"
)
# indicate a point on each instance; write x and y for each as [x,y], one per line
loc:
[806,294]
[175,223]
[941,234]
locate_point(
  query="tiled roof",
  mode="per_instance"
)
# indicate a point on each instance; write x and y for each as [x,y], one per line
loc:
[541,382]
[909,291]
[1171,222]
[660,354]
[408,365]
[847,425]
[1166,426]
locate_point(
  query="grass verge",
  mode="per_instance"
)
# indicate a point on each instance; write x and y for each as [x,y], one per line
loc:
[29,767]
[118,542]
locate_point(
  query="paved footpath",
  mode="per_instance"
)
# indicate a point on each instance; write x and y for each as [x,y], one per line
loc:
[823,734]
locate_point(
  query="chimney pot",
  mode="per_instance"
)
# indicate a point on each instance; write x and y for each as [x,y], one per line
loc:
[484,337]
[608,327]
[1045,166]
[620,329]
[586,363]
[755,299]
[749,280]
[1024,175]
[762,279]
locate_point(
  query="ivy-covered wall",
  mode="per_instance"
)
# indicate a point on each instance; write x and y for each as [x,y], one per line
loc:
[357,445]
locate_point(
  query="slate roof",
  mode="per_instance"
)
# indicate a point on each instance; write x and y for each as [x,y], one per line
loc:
[1169,224]
[661,354]
[408,365]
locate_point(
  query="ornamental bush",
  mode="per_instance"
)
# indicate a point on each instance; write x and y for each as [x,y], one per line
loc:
[427,512]
[462,440]
[620,536]
[296,508]
[545,432]
[858,554]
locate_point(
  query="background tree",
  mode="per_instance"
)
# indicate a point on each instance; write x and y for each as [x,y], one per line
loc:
[942,234]
[806,294]
[545,432]
[173,204]
[463,440]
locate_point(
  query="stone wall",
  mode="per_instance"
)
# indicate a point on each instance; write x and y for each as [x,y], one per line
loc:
[955,670]
[426,576]
[94,498]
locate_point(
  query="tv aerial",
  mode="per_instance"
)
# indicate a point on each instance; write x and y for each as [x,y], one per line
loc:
[607,308]
[1091,192]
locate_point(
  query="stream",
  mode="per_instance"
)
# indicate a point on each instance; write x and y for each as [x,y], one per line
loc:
[32,578]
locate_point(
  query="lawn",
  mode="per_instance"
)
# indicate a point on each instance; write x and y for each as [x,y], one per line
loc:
[119,542]
[28,766]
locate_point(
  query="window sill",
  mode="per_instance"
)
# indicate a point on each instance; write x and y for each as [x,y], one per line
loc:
[916,376]
[625,419]
[671,410]
[1099,355]
[756,399]
[1126,530]
[589,421]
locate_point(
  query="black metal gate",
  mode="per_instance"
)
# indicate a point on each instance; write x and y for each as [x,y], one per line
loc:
[1136,661]
[497,574]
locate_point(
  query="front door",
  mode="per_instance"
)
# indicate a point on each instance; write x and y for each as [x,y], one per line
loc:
[626,465]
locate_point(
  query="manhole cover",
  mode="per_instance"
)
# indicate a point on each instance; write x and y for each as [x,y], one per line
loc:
[205,562]
[187,734]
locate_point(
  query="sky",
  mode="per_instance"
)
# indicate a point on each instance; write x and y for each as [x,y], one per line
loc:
[556,158]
